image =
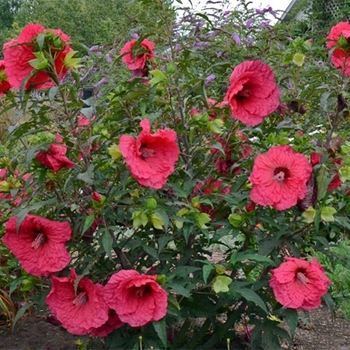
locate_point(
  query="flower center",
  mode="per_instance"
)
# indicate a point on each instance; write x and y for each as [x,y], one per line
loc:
[243,94]
[281,174]
[39,240]
[80,299]
[301,278]
[141,291]
[147,152]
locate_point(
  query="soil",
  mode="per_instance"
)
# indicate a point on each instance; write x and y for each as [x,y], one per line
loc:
[36,333]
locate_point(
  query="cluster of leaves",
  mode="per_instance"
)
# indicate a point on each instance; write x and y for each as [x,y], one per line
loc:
[216,266]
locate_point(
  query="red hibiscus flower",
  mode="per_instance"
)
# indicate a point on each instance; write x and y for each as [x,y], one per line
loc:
[39,244]
[132,58]
[252,93]
[137,299]
[79,312]
[55,158]
[151,157]
[339,36]
[299,284]
[109,326]
[279,177]
[4,83]
[26,59]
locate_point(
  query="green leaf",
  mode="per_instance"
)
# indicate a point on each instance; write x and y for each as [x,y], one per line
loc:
[235,219]
[344,173]
[239,256]
[88,176]
[40,39]
[298,59]
[250,295]
[322,182]
[291,317]
[158,77]
[71,62]
[107,243]
[157,221]
[160,328]
[20,313]
[40,62]
[207,269]
[53,92]
[327,214]
[202,219]
[88,222]
[309,215]
[221,284]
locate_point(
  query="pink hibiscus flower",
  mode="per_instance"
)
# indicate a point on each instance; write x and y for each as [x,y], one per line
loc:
[55,158]
[79,312]
[151,157]
[39,244]
[19,53]
[132,58]
[279,177]
[339,36]
[4,83]
[253,93]
[299,284]
[137,299]
[109,326]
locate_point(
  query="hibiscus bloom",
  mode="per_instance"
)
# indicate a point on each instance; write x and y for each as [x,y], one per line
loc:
[339,36]
[299,284]
[23,54]
[279,177]
[137,299]
[39,244]
[136,60]
[79,312]
[253,93]
[55,158]
[4,83]
[109,326]
[151,157]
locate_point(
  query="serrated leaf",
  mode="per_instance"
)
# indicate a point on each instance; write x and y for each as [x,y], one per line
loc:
[221,284]
[291,317]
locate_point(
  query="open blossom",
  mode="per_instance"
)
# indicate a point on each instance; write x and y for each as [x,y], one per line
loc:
[4,83]
[151,157]
[279,177]
[39,244]
[339,36]
[24,58]
[132,58]
[253,93]
[137,299]
[55,158]
[79,312]
[299,284]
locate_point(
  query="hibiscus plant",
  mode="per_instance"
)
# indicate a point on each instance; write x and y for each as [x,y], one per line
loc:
[168,189]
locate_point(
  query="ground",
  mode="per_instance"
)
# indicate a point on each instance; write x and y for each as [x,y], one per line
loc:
[36,333]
